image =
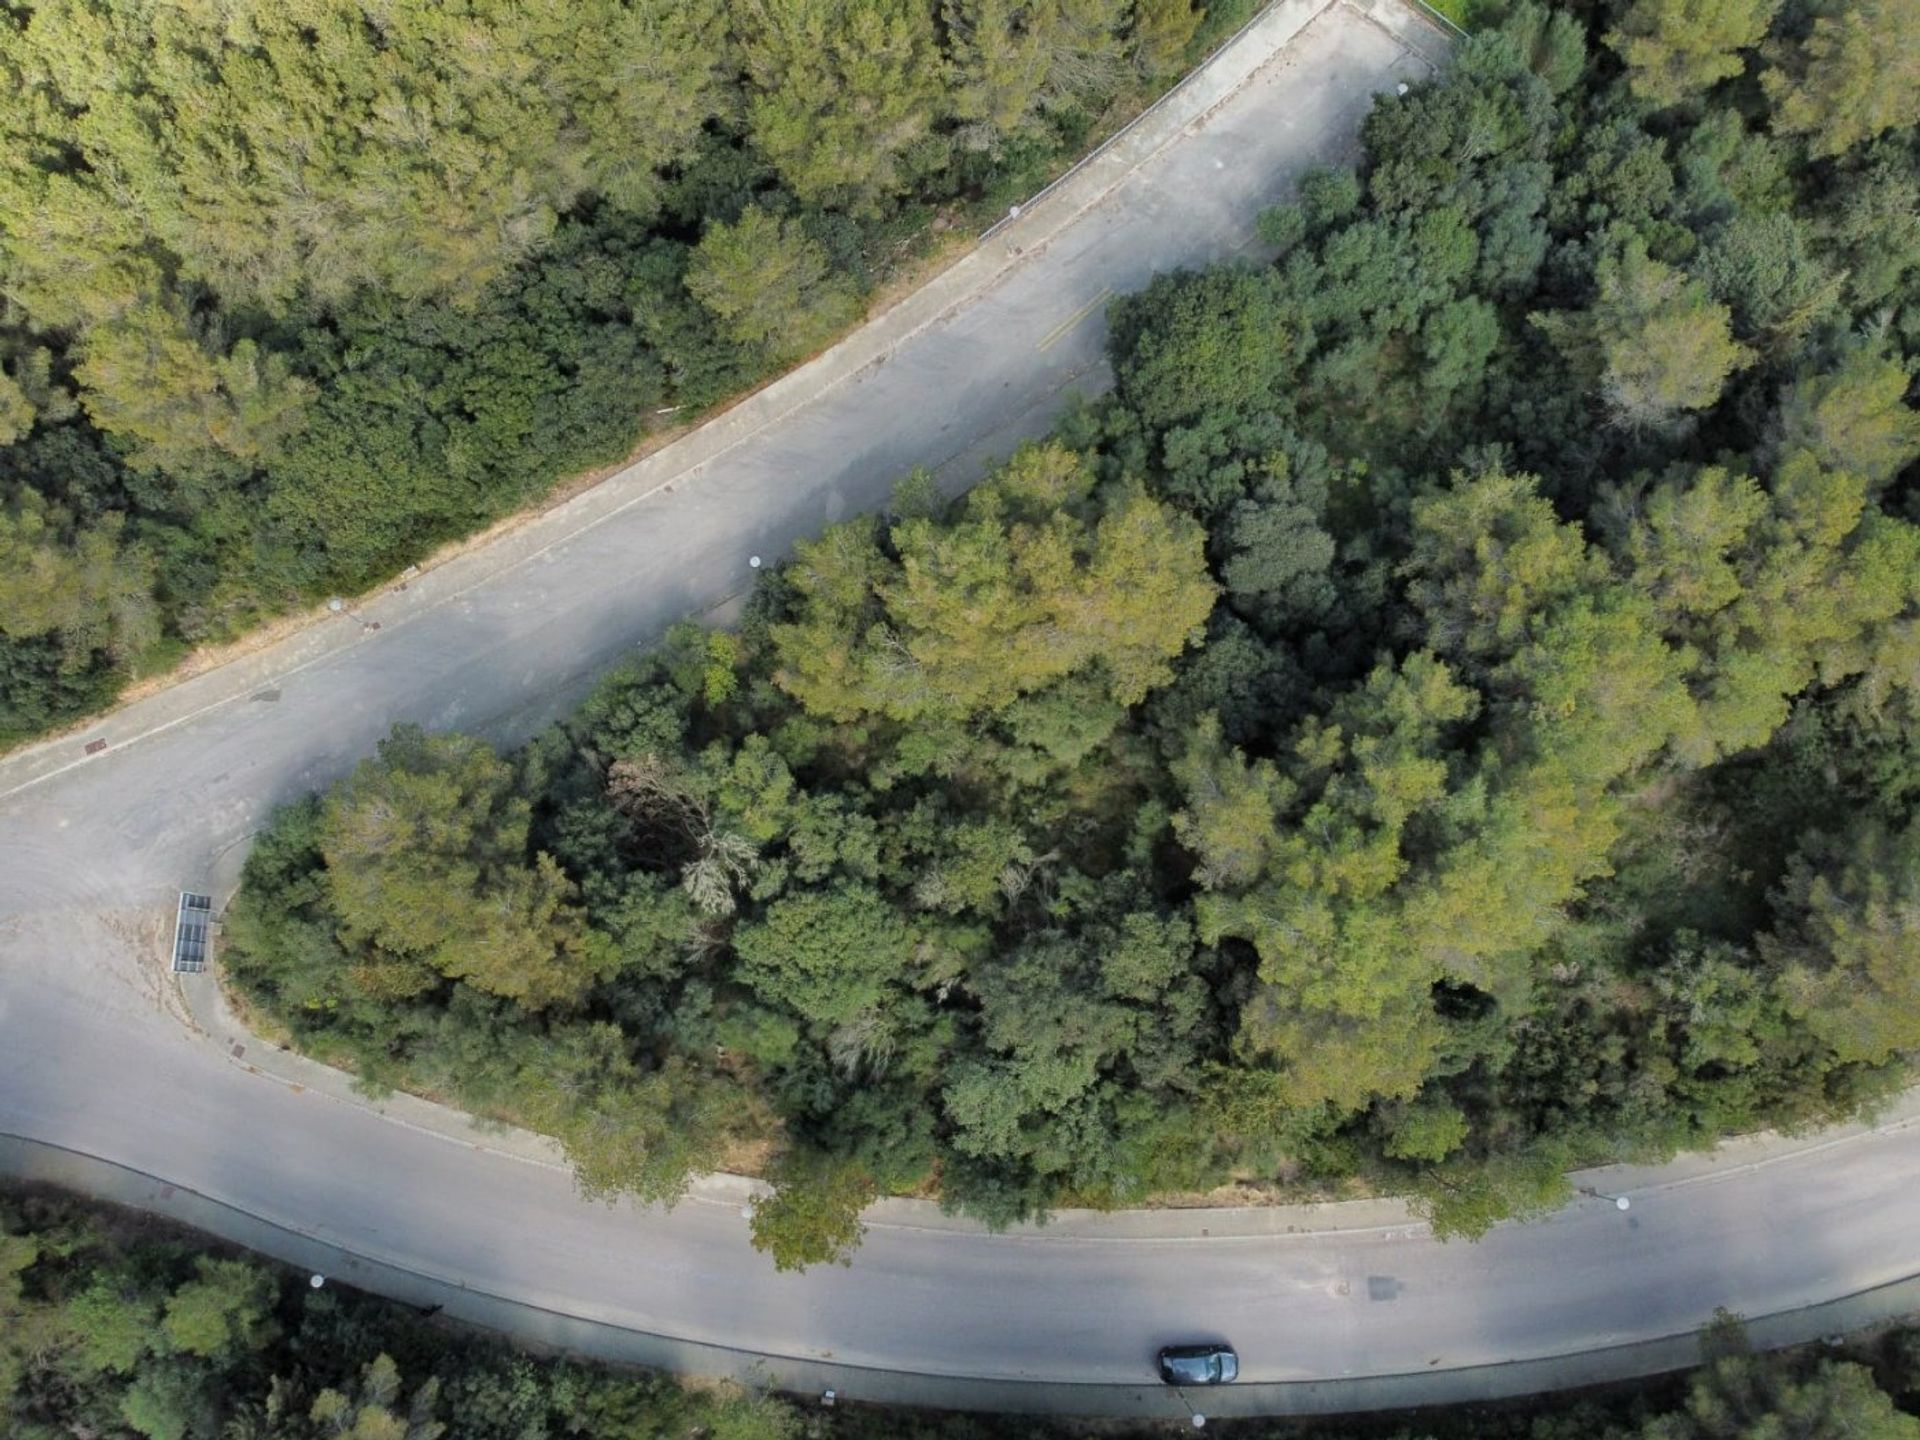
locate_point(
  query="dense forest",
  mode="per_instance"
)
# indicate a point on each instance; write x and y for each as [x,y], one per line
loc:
[291,293]
[1450,714]
[113,1327]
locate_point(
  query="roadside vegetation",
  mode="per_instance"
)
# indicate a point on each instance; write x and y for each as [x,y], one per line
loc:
[289,295]
[114,1327]
[1448,716]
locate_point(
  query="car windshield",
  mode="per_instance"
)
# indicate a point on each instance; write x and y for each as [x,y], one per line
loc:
[1200,1364]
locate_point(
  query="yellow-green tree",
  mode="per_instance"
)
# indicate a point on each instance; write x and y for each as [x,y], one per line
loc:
[84,585]
[416,146]
[1848,950]
[1228,821]
[1013,59]
[1743,1395]
[628,1128]
[1855,417]
[1343,1005]
[812,1214]
[28,391]
[429,878]
[226,1309]
[374,1409]
[1489,556]
[1654,344]
[1855,75]
[147,376]
[1400,862]
[770,284]
[1161,32]
[841,89]
[981,609]
[1675,50]
[1775,588]
[152,152]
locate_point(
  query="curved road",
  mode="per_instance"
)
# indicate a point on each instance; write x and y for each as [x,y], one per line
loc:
[98,1052]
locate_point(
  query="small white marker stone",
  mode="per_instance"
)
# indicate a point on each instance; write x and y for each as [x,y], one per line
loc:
[1199,1422]
[1013,211]
[1622,1203]
[336,606]
[1401,88]
[753,561]
[317,1281]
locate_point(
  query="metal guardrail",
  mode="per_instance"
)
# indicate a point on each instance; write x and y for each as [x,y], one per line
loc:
[1446,22]
[1114,139]
[1016,211]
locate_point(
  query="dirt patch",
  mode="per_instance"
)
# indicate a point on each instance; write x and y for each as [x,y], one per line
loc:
[750,1157]
[1256,1194]
[144,935]
[251,1017]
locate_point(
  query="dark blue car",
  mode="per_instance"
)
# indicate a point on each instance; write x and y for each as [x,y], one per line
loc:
[1199,1365]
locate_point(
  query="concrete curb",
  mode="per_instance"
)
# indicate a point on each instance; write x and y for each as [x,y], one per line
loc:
[1262,42]
[976,274]
[607,1340]
[211,1016]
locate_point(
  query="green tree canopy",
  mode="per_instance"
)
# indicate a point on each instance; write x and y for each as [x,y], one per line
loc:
[989,854]
[812,1215]
[830,954]
[1747,1397]
[226,1309]
[1213,341]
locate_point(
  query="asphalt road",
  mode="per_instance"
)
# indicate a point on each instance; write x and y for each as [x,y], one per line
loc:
[96,1054]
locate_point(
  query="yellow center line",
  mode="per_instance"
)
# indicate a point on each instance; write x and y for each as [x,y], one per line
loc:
[1058,333]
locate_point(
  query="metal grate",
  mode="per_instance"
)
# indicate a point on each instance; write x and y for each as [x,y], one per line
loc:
[190,931]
